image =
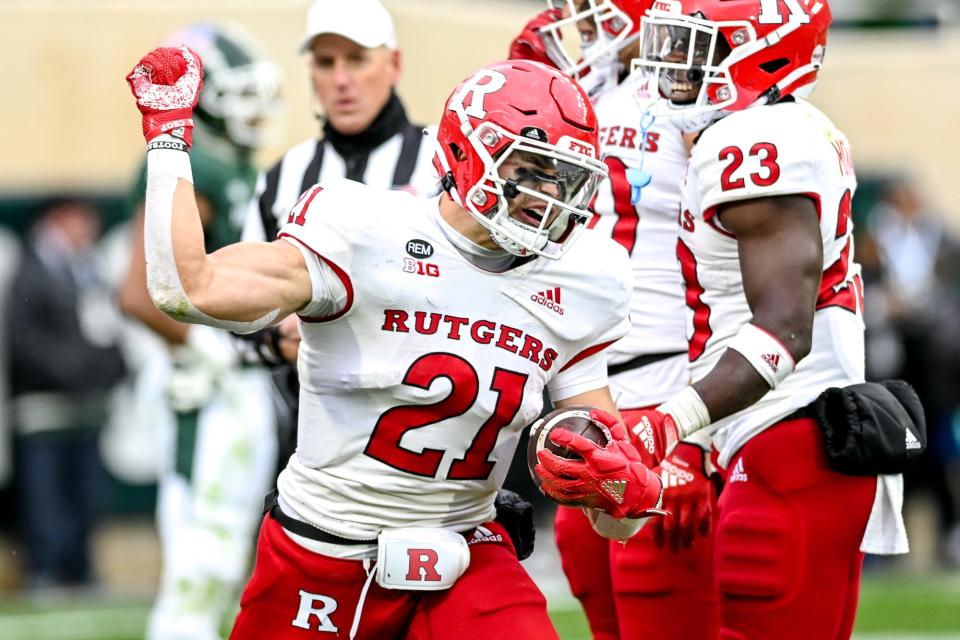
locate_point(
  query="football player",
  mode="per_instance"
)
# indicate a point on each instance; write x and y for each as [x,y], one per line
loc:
[425,351]
[775,303]
[628,589]
[354,62]
[221,453]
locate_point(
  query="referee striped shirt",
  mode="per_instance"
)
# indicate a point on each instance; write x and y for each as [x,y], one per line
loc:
[403,161]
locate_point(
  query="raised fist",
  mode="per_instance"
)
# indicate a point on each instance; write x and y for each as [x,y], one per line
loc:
[612,478]
[529,45]
[166,83]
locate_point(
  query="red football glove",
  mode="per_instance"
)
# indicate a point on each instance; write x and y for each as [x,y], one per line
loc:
[655,435]
[529,44]
[612,478]
[166,83]
[688,494]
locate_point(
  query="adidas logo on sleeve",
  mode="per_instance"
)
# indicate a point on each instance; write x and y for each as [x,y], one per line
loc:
[912,442]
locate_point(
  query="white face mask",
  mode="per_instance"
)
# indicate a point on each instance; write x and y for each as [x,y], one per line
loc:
[603,51]
[533,197]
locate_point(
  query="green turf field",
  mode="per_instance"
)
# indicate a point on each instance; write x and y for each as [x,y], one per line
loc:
[891,608]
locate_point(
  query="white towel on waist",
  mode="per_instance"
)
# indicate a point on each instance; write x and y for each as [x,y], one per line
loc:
[885,533]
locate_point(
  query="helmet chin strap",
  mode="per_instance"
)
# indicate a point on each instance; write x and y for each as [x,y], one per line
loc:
[447,182]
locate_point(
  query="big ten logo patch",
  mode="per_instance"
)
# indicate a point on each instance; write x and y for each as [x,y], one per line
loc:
[421,268]
[314,605]
[422,565]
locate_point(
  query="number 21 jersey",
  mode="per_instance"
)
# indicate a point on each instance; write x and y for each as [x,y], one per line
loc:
[414,393]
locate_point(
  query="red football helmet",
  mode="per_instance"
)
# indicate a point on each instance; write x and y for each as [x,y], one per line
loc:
[522,112]
[712,55]
[617,23]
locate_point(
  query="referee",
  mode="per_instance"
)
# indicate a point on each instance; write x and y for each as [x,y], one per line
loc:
[354,63]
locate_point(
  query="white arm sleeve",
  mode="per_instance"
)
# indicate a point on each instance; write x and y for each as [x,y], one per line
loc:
[164,168]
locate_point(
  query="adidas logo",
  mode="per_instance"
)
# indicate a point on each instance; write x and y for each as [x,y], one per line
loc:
[615,489]
[772,360]
[673,476]
[738,474]
[549,299]
[482,534]
[912,442]
[644,432]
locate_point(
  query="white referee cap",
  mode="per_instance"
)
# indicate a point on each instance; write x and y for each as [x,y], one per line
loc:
[366,22]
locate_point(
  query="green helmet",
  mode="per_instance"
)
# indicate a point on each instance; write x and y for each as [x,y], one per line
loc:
[240,85]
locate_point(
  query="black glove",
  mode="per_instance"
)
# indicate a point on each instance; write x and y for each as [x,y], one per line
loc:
[516,516]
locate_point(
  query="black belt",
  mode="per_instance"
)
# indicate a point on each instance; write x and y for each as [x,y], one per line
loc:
[641,361]
[301,528]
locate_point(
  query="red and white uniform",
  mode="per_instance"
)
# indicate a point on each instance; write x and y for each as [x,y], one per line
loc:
[648,231]
[417,383]
[627,589]
[788,148]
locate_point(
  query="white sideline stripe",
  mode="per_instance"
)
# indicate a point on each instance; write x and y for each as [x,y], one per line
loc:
[74,625]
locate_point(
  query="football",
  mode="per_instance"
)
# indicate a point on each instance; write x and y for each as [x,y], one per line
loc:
[576,419]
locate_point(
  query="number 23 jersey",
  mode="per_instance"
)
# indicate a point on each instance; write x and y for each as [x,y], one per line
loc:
[414,393]
[789,148]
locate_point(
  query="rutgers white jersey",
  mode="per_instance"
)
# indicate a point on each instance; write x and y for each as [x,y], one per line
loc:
[648,231]
[413,395]
[788,148]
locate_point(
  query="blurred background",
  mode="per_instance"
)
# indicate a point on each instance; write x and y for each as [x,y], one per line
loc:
[72,151]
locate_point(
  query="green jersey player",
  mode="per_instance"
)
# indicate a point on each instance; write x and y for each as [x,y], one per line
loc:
[220,457]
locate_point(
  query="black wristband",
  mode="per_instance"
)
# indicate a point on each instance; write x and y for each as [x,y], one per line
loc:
[167,144]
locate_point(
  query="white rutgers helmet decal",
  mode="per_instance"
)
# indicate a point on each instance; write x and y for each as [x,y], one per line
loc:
[477,92]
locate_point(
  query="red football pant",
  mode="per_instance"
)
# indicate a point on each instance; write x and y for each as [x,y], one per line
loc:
[788,557]
[637,591]
[293,588]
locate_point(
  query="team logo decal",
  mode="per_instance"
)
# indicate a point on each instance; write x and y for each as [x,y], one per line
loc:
[314,612]
[475,90]
[419,248]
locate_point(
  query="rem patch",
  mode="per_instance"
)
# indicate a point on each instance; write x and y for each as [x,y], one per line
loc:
[419,248]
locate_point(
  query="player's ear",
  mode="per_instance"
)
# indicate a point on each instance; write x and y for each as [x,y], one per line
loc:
[397,60]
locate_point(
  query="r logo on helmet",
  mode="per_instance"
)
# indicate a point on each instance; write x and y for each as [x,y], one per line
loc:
[476,91]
